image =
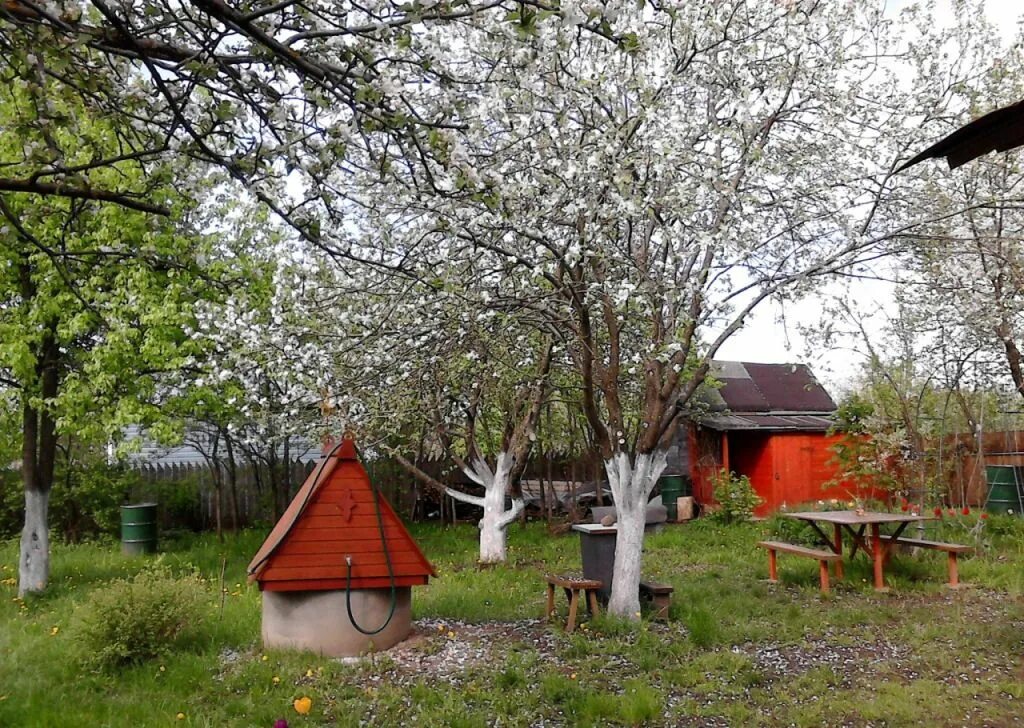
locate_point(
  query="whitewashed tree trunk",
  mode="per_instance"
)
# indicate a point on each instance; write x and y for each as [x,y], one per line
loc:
[494,524]
[34,558]
[631,484]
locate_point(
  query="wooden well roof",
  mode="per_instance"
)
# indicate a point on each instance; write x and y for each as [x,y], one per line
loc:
[331,517]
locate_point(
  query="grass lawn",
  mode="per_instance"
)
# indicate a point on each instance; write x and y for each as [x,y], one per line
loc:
[737,651]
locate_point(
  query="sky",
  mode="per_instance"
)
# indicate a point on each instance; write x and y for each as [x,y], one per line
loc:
[772,334]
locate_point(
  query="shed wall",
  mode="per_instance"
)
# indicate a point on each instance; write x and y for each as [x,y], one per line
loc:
[785,468]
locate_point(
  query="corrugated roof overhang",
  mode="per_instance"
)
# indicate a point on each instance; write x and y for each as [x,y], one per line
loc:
[769,422]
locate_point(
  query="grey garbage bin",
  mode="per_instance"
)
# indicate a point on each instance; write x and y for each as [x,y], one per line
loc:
[597,545]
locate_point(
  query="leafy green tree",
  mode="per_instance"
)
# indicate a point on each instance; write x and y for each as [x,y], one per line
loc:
[93,296]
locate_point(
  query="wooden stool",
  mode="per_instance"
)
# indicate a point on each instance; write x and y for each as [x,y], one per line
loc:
[572,585]
[660,596]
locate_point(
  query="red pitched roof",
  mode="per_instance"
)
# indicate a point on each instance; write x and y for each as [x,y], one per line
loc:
[333,517]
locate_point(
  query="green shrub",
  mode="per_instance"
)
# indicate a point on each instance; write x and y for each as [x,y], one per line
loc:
[86,497]
[178,501]
[133,620]
[84,503]
[735,496]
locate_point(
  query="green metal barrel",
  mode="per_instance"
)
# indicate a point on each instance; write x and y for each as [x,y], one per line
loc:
[673,487]
[1004,492]
[138,528]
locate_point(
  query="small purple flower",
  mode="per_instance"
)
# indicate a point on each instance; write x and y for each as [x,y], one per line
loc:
[280,723]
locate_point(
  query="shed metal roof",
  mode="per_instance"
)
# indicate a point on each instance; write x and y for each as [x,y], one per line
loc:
[766,397]
[803,423]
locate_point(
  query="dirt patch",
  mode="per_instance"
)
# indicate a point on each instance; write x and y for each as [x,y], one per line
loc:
[442,649]
[848,661]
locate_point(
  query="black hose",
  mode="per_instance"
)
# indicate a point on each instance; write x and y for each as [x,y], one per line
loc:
[391,574]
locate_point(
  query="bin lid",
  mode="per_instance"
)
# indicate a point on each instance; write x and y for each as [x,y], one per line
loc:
[656,513]
[594,528]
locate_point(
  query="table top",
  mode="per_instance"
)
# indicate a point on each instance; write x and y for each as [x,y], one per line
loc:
[851,518]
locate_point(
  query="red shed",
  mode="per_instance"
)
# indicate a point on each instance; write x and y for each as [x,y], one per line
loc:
[324,570]
[769,422]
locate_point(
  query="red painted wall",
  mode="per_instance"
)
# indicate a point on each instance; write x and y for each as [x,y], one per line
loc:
[785,468]
[800,468]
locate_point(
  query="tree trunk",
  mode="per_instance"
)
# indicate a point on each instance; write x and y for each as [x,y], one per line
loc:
[38,455]
[277,485]
[218,488]
[494,524]
[34,561]
[493,541]
[288,471]
[631,485]
[232,473]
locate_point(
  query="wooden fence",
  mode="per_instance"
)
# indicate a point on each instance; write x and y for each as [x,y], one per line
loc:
[188,499]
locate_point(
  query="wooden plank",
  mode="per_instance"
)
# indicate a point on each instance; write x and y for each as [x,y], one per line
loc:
[335,510]
[332,493]
[317,535]
[790,548]
[335,520]
[276,573]
[340,546]
[367,546]
[328,584]
[347,476]
[935,545]
[359,559]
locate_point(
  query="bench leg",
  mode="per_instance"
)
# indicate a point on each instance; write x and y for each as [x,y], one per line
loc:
[592,600]
[550,609]
[574,601]
[954,574]
[661,604]
[823,573]
[773,572]
[838,534]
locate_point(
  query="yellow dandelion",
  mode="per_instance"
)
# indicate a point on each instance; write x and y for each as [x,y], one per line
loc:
[264,658]
[572,676]
[302,705]
[162,668]
[180,716]
[54,630]
[309,673]
[451,635]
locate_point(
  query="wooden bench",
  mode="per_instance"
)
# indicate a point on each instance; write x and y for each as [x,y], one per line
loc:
[660,597]
[952,551]
[572,585]
[822,557]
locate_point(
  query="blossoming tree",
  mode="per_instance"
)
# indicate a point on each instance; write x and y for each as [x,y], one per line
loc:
[654,184]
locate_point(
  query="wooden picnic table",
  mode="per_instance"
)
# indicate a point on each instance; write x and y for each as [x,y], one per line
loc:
[855,524]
